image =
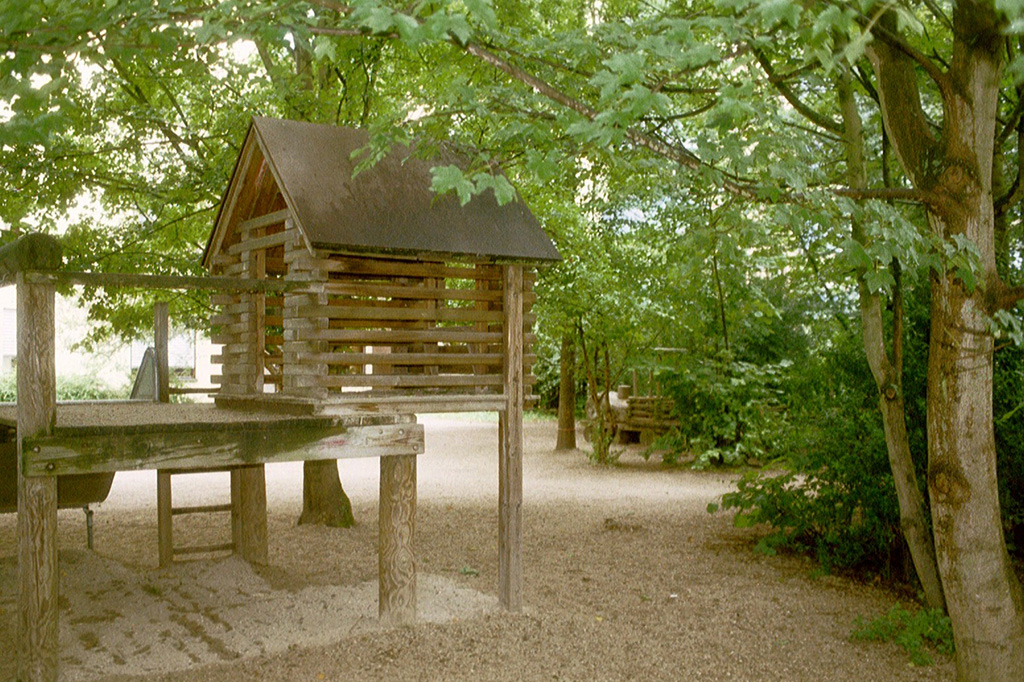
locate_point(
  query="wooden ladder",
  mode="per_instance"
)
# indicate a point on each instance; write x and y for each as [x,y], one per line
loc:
[248,504]
[166,512]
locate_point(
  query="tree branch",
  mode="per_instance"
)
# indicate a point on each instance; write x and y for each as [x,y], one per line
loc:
[1003,297]
[783,87]
[879,28]
[902,111]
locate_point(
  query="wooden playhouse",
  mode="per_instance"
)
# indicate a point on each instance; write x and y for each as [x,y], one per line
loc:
[403,293]
[345,305]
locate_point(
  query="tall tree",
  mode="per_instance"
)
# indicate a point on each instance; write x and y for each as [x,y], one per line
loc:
[952,168]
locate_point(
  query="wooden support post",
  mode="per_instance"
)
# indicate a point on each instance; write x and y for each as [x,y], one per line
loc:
[510,443]
[164,512]
[37,496]
[249,502]
[161,327]
[397,567]
[236,509]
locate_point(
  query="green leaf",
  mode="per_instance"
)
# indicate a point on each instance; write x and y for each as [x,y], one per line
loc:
[906,21]
[378,20]
[781,11]
[880,280]
[483,11]
[324,47]
[447,178]
[856,255]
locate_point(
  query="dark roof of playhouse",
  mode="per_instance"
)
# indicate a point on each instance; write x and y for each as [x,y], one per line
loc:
[386,208]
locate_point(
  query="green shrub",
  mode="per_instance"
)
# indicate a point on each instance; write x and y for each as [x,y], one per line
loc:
[835,498]
[729,411]
[916,632]
[839,506]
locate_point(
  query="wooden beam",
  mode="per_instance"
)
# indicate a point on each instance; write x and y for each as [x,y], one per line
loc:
[510,459]
[366,402]
[164,514]
[118,279]
[370,337]
[397,558]
[216,445]
[308,375]
[438,357]
[37,496]
[262,243]
[397,314]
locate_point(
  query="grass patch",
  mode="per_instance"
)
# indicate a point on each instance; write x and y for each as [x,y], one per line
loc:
[918,633]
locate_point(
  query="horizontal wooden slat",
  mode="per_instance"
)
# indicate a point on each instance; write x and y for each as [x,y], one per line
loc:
[243,379]
[388,359]
[275,218]
[200,509]
[400,314]
[229,322]
[138,281]
[238,370]
[377,290]
[261,243]
[347,403]
[223,338]
[390,268]
[203,549]
[191,390]
[407,380]
[369,337]
[238,307]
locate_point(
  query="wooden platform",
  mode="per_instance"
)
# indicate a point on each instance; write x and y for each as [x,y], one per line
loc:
[90,438]
[110,437]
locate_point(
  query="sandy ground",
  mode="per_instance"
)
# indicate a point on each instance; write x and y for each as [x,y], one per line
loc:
[626,578]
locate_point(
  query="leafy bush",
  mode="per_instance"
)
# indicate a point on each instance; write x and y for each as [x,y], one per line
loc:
[80,387]
[836,499]
[839,506]
[916,633]
[729,411]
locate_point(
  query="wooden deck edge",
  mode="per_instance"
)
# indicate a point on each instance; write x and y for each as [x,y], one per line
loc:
[170,449]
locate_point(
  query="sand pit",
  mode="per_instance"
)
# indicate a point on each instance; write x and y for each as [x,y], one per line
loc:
[116,619]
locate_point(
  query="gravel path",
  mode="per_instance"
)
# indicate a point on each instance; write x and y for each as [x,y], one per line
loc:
[626,578]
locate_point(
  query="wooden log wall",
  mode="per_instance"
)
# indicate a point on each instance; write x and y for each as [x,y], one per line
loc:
[250,325]
[392,327]
[366,327]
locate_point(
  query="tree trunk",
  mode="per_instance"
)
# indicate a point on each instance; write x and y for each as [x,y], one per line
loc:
[567,396]
[983,595]
[323,499]
[888,374]
[913,518]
